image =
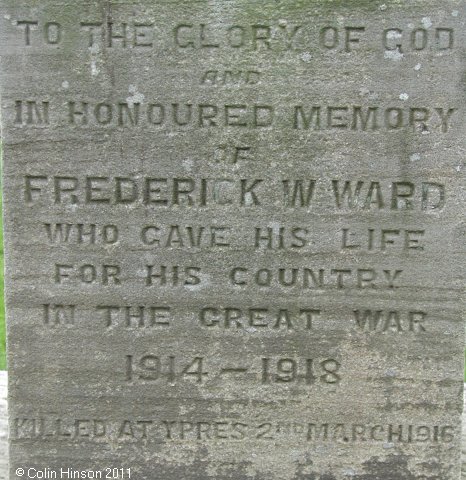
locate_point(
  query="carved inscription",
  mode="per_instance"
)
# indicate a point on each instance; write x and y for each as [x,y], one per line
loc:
[101,430]
[249,192]
[235,237]
[158,115]
[241,37]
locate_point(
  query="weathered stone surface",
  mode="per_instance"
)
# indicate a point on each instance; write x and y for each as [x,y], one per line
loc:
[3,433]
[235,237]
[4,439]
[463,446]
[3,427]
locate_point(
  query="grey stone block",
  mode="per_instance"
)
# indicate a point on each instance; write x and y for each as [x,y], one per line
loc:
[3,427]
[235,237]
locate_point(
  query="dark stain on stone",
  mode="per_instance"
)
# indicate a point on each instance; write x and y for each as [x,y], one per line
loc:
[314,476]
[394,467]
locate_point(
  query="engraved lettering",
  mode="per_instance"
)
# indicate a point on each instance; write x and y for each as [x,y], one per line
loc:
[32,112]
[390,321]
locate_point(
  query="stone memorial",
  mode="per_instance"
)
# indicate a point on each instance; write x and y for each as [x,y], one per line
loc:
[235,238]
[3,427]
